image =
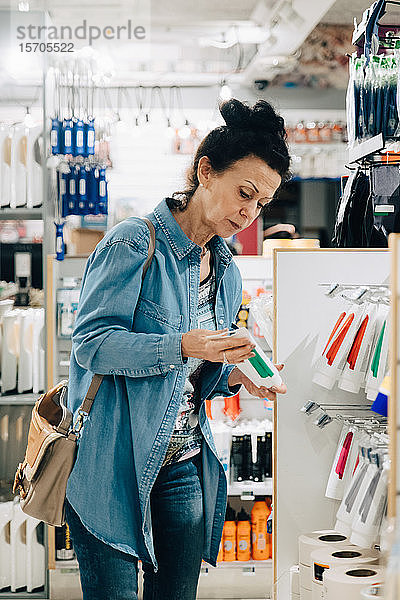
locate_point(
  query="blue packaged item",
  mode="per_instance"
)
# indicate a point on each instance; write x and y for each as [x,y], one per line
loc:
[82,192]
[103,192]
[67,137]
[55,136]
[89,137]
[64,193]
[79,138]
[92,192]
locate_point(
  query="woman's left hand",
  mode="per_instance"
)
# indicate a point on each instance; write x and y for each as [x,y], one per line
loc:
[237,377]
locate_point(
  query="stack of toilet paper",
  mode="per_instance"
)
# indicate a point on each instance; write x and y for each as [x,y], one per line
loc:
[307,544]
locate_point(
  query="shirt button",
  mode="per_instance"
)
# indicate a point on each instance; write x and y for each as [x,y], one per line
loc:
[221,321]
[172,366]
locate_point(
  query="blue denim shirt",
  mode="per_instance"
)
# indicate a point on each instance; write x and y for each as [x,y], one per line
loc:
[135,341]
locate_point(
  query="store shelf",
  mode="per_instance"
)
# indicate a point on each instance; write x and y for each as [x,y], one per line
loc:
[19,595]
[249,489]
[247,567]
[27,214]
[67,565]
[19,399]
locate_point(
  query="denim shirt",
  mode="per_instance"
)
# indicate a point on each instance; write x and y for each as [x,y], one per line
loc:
[134,337]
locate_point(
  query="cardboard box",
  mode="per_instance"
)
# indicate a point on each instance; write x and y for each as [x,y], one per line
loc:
[83,241]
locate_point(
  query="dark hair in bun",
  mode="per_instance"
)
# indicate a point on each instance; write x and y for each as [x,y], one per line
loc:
[256,130]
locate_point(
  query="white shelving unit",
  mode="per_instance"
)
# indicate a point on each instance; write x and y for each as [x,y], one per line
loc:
[303,453]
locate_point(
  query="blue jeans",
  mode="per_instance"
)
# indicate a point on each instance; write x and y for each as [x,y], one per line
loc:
[178,532]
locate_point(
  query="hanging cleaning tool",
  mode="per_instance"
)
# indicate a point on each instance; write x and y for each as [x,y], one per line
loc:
[67,129]
[89,122]
[61,201]
[56,124]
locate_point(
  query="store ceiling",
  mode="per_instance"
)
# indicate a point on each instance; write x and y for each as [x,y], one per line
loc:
[195,42]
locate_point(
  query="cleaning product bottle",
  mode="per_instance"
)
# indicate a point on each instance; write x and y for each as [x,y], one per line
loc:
[259,516]
[229,535]
[243,536]
[268,502]
[220,556]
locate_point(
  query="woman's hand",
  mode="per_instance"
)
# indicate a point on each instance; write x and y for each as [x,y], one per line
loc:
[237,377]
[199,343]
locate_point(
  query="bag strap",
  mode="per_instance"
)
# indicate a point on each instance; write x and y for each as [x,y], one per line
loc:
[86,405]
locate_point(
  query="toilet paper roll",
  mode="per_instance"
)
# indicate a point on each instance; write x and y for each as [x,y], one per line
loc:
[329,558]
[305,577]
[309,542]
[295,579]
[373,592]
[305,594]
[345,582]
[317,591]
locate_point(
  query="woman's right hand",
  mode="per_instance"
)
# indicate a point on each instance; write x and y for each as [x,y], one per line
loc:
[202,343]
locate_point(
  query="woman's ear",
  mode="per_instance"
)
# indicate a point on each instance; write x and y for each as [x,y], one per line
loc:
[204,170]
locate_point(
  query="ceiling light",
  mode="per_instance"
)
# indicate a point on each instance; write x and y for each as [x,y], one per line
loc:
[23,6]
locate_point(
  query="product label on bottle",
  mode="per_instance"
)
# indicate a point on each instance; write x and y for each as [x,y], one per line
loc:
[54,137]
[59,244]
[261,545]
[82,187]
[102,188]
[228,545]
[243,544]
[63,187]
[72,187]
[90,138]
[67,138]
[79,139]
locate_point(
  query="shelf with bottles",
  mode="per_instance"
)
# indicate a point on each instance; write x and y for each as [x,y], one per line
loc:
[21,214]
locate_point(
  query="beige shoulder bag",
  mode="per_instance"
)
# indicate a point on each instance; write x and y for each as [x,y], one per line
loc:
[41,479]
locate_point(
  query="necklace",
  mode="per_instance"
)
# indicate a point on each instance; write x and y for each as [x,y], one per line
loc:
[203,252]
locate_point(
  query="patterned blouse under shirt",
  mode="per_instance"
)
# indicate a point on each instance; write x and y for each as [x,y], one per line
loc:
[187,438]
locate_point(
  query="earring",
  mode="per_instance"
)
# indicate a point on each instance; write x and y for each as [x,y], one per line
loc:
[201,185]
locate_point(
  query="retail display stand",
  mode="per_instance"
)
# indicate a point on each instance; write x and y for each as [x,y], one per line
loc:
[303,453]
[394,399]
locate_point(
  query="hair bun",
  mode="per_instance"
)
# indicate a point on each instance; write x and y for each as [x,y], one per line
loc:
[261,118]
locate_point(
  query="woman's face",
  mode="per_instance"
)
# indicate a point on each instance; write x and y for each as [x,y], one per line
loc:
[234,199]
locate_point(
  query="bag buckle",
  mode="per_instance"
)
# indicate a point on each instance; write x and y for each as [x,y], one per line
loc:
[79,422]
[18,481]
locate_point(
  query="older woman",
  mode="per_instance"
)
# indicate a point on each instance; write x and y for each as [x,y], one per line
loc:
[147,483]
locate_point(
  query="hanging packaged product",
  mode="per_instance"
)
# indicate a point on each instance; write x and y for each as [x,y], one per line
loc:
[366,527]
[379,354]
[380,404]
[18,166]
[243,536]
[355,493]
[330,365]
[354,372]
[229,535]
[343,464]
[5,164]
